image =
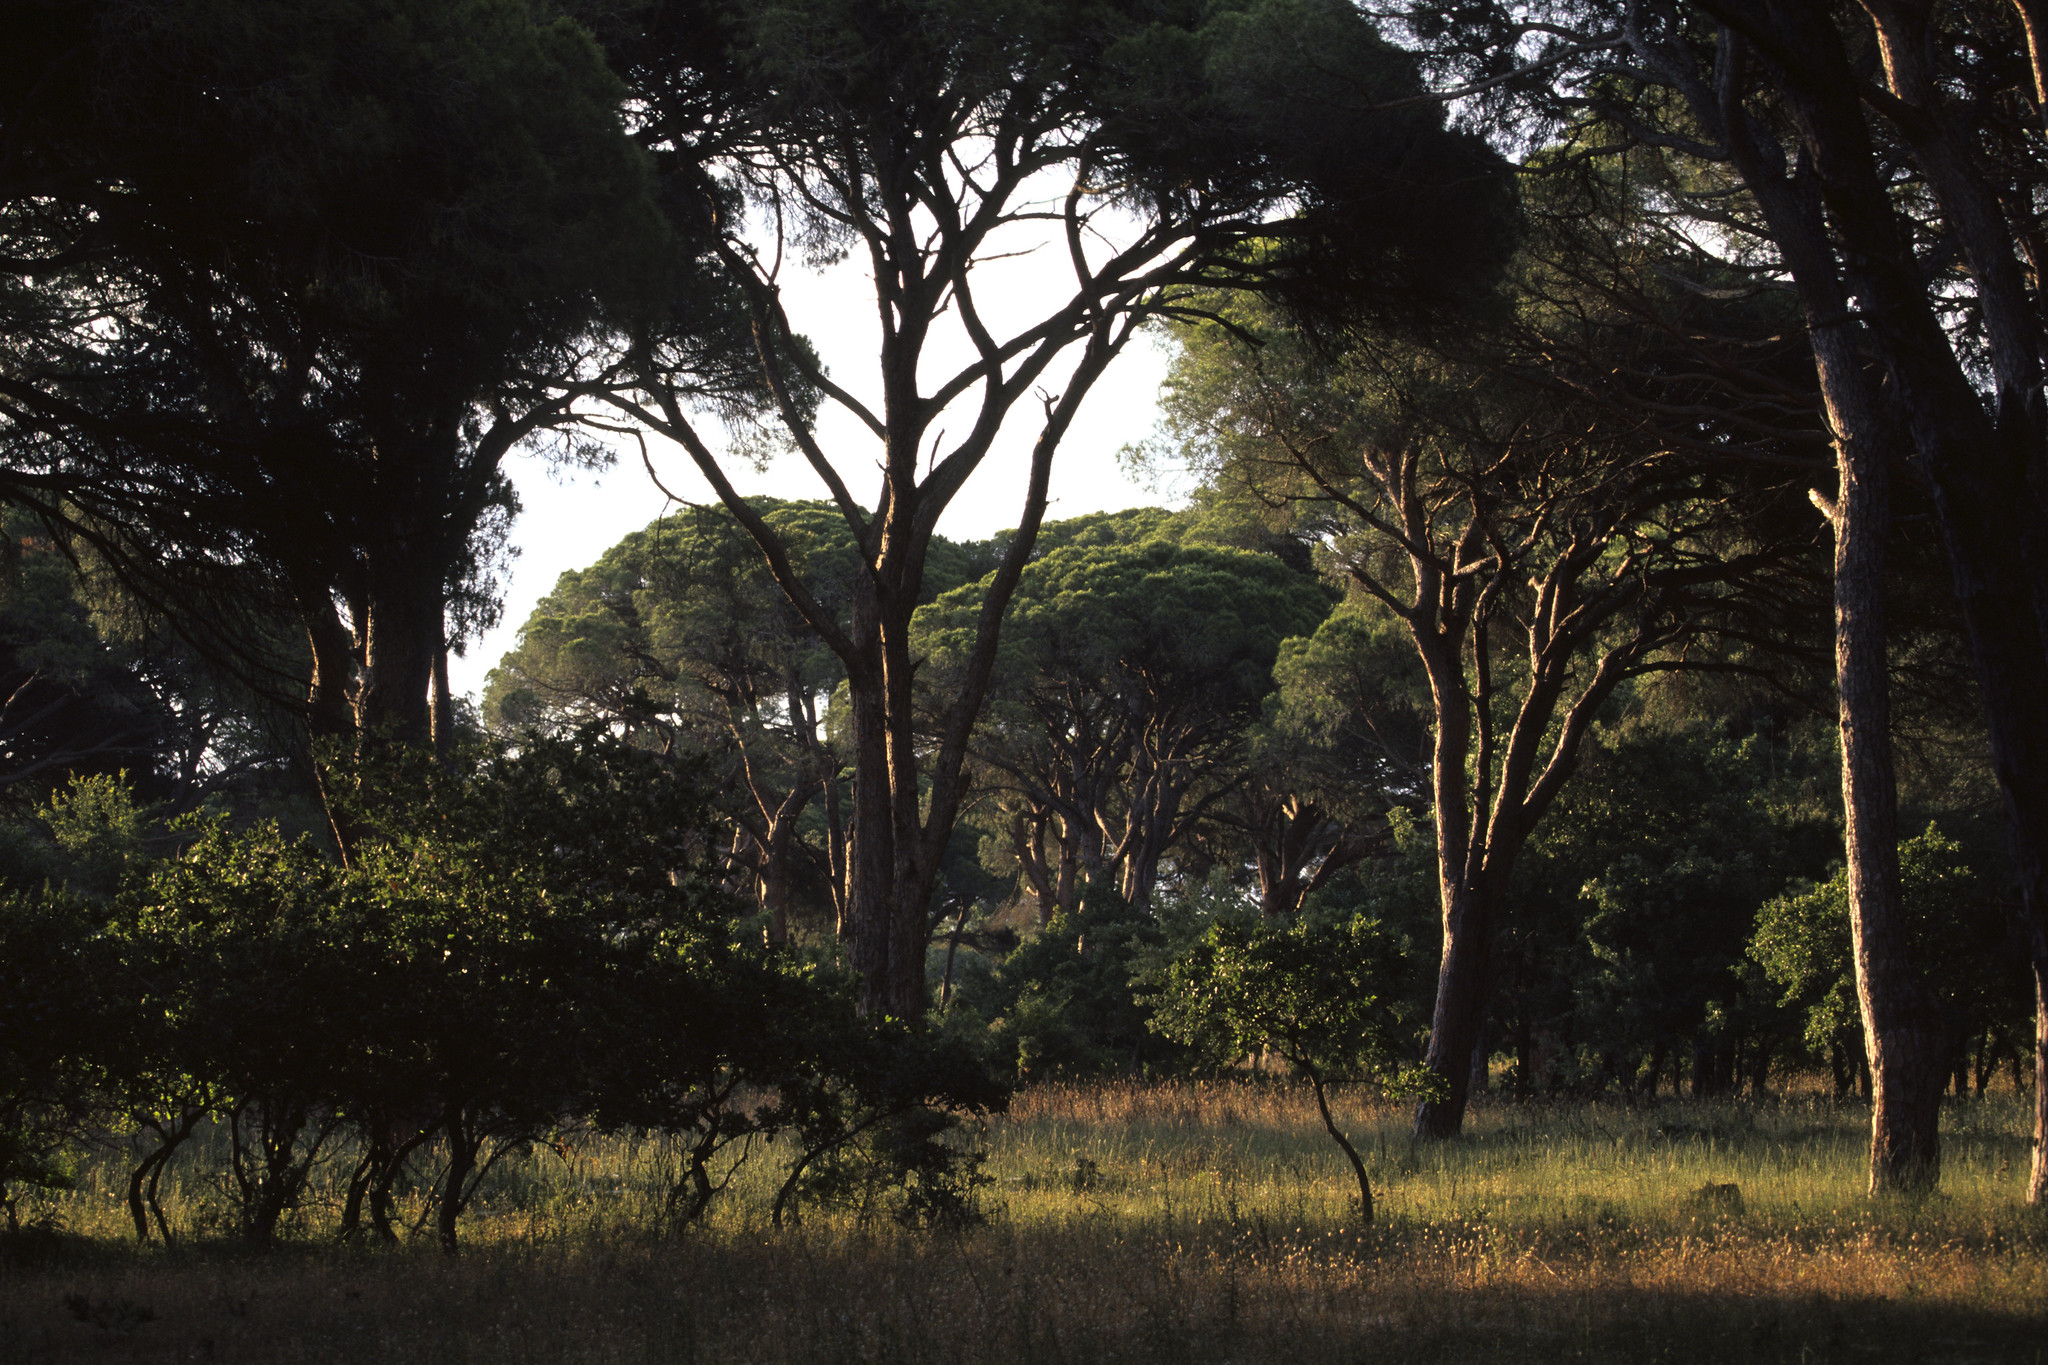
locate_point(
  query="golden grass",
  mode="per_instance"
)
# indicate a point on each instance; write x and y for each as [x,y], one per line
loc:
[1143,1223]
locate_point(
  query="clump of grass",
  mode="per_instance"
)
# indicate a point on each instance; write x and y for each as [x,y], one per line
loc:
[1138,1222]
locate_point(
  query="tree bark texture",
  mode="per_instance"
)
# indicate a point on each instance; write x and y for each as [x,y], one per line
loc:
[1903,1030]
[1460,1009]
[2037,1178]
[1986,470]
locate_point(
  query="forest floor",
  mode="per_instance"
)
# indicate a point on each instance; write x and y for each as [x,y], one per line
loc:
[1134,1223]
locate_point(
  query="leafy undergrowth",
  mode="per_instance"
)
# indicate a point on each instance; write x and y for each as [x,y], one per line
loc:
[1143,1223]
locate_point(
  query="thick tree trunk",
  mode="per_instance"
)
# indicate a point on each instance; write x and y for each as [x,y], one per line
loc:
[1284,842]
[404,632]
[1460,1007]
[1027,844]
[1990,523]
[1989,470]
[889,885]
[915,874]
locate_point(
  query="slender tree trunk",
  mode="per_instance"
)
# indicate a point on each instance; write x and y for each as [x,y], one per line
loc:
[462,1150]
[1365,1209]
[330,714]
[1902,1027]
[870,853]
[2037,1179]
[952,951]
[836,862]
[142,1181]
[442,717]
[775,876]
[1904,1038]
[1525,1061]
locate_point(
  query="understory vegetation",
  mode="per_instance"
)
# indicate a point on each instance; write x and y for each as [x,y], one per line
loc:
[1123,1220]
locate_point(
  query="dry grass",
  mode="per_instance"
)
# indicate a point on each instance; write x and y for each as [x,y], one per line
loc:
[1146,1223]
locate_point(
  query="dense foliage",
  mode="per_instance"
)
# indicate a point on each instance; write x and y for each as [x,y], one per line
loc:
[530,947]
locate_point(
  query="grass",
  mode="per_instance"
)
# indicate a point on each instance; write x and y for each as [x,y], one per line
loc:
[1137,1223]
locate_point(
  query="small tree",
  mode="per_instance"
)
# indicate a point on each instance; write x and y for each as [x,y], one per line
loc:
[1315,994]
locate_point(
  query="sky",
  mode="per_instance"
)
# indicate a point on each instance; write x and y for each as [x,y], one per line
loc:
[570,519]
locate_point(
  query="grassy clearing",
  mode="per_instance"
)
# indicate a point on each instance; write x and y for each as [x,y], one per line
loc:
[1139,1223]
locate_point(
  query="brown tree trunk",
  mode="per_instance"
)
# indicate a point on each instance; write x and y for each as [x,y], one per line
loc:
[2037,1179]
[775,878]
[330,716]
[1904,1037]
[1460,1006]
[1990,520]
[442,717]
[462,1152]
[402,636]
[870,854]
[1902,1025]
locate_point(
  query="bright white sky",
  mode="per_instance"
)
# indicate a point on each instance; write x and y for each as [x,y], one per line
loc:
[570,520]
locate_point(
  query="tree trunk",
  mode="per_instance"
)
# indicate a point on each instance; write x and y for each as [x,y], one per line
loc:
[1988,470]
[1525,1061]
[775,880]
[2037,1180]
[952,951]
[1315,1080]
[1902,1026]
[2009,642]
[1835,186]
[1027,842]
[1460,1005]
[462,1151]
[442,717]
[403,634]
[330,714]
[871,857]
[890,883]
